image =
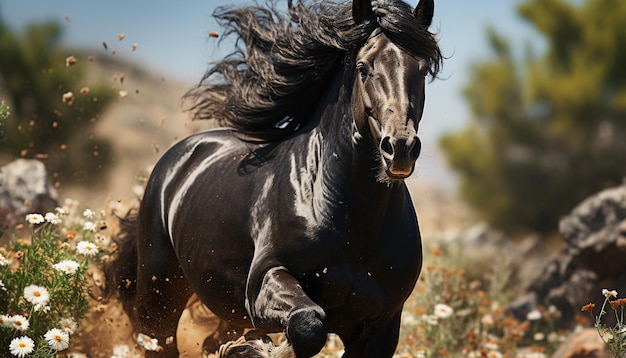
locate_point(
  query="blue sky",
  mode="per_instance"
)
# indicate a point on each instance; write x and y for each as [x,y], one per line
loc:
[172,39]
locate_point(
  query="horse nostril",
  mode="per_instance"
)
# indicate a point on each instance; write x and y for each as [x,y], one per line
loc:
[386,147]
[417,148]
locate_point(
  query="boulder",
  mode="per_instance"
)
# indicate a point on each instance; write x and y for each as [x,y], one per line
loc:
[24,188]
[595,237]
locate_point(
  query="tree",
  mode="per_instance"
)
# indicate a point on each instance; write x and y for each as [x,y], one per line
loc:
[547,130]
[46,121]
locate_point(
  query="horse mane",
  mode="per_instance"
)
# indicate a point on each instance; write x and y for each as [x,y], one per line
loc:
[269,86]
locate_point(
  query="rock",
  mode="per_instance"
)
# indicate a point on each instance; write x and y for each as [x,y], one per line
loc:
[583,344]
[595,237]
[24,188]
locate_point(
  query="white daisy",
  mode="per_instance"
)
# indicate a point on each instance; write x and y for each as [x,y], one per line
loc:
[19,322]
[68,325]
[57,339]
[53,218]
[3,260]
[534,315]
[89,226]
[68,266]
[87,248]
[37,295]
[88,214]
[443,310]
[6,321]
[21,346]
[608,293]
[35,219]
[148,343]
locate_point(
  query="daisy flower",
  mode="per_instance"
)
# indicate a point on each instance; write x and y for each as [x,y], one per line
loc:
[443,310]
[6,321]
[608,293]
[534,315]
[148,343]
[35,219]
[87,248]
[67,266]
[3,260]
[22,346]
[121,351]
[89,226]
[68,325]
[88,214]
[36,295]
[19,322]
[52,218]
[57,339]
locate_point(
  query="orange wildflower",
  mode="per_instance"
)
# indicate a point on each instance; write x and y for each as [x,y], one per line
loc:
[588,307]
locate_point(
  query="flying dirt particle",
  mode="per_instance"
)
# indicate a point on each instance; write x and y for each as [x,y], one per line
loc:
[120,37]
[121,78]
[41,156]
[70,61]
[161,121]
[106,47]
[122,93]
[113,52]
[55,124]
[214,34]
[63,147]
[133,47]
[84,90]
[91,58]
[68,97]
[67,19]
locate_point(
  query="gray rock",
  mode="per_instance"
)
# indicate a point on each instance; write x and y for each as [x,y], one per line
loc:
[595,235]
[24,188]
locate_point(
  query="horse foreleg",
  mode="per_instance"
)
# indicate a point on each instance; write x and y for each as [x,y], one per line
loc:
[376,340]
[281,303]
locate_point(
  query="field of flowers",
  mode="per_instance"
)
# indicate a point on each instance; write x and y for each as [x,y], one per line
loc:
[52,280]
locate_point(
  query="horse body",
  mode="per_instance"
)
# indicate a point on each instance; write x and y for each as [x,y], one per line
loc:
[310,234]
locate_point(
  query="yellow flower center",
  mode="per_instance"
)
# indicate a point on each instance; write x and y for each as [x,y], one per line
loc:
[37,294]
[57,338]
[22,345]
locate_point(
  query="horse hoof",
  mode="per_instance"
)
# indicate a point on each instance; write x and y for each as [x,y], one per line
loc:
[307,332]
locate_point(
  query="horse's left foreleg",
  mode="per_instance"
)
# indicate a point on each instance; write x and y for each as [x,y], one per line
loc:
[376,340]
[282,304]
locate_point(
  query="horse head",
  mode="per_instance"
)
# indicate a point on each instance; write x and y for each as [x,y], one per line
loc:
[389,91]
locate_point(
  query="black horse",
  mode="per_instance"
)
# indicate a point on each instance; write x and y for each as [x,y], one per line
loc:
[295,216]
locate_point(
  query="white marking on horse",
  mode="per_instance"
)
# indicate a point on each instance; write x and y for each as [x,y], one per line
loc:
[190,178]
[309,202]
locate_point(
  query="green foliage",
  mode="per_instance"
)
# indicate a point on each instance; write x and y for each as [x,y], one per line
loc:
[44,282]
[546,131]
[35,76]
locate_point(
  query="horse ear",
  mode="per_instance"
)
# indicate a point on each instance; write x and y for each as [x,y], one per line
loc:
[424,12]
[361,10]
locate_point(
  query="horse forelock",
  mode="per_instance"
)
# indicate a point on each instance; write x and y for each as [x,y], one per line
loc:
[285,60]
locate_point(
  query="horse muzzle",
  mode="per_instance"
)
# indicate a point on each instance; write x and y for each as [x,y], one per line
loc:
[399,155]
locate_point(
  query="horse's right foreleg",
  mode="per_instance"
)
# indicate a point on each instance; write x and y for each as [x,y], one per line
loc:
[280,301]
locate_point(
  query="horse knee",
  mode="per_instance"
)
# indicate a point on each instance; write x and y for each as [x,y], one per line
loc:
[306,331]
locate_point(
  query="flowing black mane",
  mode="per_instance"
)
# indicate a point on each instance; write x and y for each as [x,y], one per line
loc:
[271,84]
